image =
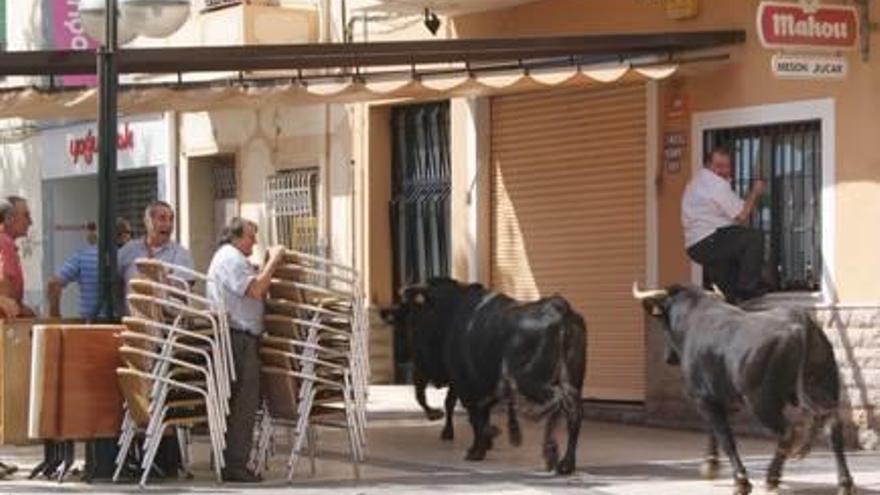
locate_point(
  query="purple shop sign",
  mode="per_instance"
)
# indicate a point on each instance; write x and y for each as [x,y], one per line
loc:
[68,34]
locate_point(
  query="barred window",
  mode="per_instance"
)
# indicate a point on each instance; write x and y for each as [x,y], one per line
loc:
[135,190]
[788,158]
[292,202]
[225,183]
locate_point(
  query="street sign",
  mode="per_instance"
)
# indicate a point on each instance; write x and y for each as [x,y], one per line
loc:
[794,26]
[809,67]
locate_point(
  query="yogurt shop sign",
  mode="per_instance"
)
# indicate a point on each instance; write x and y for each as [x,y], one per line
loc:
[807,26]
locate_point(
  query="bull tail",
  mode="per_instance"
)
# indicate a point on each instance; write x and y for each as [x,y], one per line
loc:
[818,377]
[571,355]
[553,376]
[818,385]
[575,350]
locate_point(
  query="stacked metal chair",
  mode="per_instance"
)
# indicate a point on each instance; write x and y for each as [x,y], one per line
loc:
[314,351]
[178,366]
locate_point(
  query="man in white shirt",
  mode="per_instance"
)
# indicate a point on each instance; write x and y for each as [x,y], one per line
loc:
[713,218]
[241,287]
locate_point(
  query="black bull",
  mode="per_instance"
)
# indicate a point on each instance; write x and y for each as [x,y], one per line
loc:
[768,361]
[490,348]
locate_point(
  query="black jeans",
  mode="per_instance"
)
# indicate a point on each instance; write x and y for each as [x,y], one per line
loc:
[245,400]
[733,257]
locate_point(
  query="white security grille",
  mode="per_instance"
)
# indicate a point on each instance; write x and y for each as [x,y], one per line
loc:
[292,203]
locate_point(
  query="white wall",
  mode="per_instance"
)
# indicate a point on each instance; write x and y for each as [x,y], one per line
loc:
[266,140]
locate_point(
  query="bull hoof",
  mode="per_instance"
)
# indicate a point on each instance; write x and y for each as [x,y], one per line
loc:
[709,469]
[846,490]
[515,437]
[447,434]
[434,414]
[475,455]
[772,487]
[565,467]
[551,456]
[743,487]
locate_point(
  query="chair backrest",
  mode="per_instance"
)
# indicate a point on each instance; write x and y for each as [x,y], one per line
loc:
[135,388]
[143,286]
[280,388]
[136,392]
[162,310]
[144,304]
[281,326]
[280,391]
[151,269]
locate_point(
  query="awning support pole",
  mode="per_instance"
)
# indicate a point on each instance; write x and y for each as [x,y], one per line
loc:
[107,87]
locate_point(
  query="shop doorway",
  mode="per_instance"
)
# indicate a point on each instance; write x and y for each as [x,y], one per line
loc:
[213,201]
[419,208]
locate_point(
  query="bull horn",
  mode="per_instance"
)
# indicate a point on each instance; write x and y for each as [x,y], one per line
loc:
[646,294]
[717,292]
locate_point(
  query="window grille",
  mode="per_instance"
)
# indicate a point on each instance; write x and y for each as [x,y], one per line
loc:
[135,190]
[292,203]
[225,183]
[788,158]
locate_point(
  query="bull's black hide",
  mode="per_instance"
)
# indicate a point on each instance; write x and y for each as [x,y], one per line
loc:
[767,361]
[488,348]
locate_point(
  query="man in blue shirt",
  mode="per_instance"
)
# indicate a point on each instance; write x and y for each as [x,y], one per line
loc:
[82,267]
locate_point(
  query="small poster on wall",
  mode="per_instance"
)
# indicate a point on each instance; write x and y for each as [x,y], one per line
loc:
[674,151]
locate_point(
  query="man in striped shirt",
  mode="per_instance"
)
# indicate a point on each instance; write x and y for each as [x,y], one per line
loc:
[82,267]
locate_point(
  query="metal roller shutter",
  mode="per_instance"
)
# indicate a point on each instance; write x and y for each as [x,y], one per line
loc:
[568,217]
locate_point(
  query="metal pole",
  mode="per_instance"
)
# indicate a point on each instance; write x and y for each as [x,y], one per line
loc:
[107,82]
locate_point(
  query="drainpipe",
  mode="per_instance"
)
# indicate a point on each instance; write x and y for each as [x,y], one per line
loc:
[326,36]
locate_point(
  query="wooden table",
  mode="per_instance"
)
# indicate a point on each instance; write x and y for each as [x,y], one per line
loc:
[15,372]
[74,394]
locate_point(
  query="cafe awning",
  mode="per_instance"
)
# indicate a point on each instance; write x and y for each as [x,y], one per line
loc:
[207,78]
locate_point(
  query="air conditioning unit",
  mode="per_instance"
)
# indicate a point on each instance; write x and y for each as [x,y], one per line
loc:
[260,22]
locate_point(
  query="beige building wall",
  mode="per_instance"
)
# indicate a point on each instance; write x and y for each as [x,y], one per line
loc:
[263,142]
[745,81]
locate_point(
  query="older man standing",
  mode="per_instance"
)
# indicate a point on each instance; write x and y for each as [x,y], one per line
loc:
[157,244]
[16,220]
[241,287]
[8,306]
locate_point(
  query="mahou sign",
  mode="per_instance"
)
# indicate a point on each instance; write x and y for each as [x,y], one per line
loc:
[791,26]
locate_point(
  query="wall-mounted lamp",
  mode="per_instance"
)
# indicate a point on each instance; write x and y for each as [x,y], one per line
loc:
[432,22]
